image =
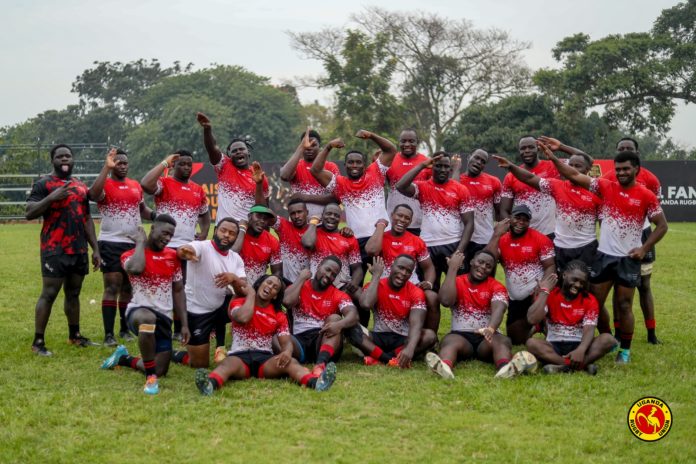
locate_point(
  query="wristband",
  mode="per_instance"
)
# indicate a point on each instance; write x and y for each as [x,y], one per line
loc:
[545,290]
[242,228]
[165,164]
[314,220]
[382,221]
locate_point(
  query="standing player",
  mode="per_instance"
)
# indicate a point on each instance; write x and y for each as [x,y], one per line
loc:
[257,247]
[256,319]
[120,202]
[448,217]
[158,290]
[526,255]
[625,206]
[399,308]
[293,255]
[571,318]
[321,313]
[575,236]
[516,193]
[235,183]
[215,273]
[297,171]
[61,200]
[406,159]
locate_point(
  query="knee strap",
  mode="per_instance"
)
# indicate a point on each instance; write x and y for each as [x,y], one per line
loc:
[147,328]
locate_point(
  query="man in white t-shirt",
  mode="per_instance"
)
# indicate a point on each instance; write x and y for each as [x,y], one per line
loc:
[215,273]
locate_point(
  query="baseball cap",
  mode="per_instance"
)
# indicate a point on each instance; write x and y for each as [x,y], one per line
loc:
[522,209]
[262,209]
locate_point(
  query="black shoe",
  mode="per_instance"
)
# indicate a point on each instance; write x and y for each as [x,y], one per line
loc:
[556,368]
[81,341]
[110,341]
[654,340]
[41,350]
[126,336]
[591,369]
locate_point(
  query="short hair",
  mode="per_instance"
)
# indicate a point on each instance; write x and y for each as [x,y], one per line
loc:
[404,255]
[278,300]
[296,201]
[228,219]
[588,159]
[410,129]
[350,152]
[312,135]
[486,252]
[630,156]
[54,148]
[403,205]
[182,152]
[164,217]
[629,139]
[238,139]
[333,258]
[121,151]
[526,136]
[443,153]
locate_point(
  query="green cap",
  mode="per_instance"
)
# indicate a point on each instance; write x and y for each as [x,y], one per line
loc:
[262,209]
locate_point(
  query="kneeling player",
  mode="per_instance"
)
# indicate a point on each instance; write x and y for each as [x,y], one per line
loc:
[317,307]
[155,274]
[255,320]
[399,309]
[571,317]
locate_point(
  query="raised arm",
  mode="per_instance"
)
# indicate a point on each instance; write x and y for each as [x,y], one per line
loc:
[309,238]
[317,170]
[566,170]
[520,173]
[149,181]
[136,263]
[388,149]
[258,176]
[368,299]
[239,241]
[448,289]
[456,166]
[292,293]
[244,313]
[556,145]
[37,206]
[289,169]
[214,152]
[405,184]
[373,246]
[97,189]
[498,231]
[204,225]
[536,313]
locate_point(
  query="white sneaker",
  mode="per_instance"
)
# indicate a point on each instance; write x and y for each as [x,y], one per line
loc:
[436,365]
[521,362]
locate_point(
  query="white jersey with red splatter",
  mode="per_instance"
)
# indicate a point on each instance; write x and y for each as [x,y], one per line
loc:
[623,212]
[202,295]
[472,310]
[521,258]
[399,167]
[315,306]
[333,243]
[363,198]
[119,206]
[576,213]
[236,190]
[394,307]
[442,206]
[565,319]
[304,182]
[541,205]
[293,255]
[404,244]
[184,201]
[645,178]
[258,253]
[485,191]
[153,287]
[258,333]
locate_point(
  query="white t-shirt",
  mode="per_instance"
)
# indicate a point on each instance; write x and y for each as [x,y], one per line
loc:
[202,296]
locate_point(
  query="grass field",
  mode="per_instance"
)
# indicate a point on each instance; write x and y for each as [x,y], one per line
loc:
[64,409]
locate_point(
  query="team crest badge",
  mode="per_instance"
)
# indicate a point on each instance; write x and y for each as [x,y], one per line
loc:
[649,419]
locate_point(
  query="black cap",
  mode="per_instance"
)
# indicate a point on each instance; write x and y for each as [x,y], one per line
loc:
[522,209]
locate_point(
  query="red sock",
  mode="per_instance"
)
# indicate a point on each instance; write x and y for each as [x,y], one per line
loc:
[185,360]
[566,361]
[500,363]
[650,323]
[376,353]
[399,349]
[217,380]
[617,324]
[134,362]
[306,378]
[326,352]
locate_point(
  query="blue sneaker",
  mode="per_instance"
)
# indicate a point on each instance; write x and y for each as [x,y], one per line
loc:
[327,378]
[112,361]
[151,385]
[623,357]
[203,382]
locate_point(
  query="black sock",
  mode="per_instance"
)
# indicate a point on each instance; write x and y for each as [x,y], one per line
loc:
[386,357]
[312,383]
[150,367]
[651,334]
[180,357]
[73,330]
[38,339]
[108,316]
[323,357]
[126,361]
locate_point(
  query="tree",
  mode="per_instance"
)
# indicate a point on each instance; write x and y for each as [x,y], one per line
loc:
[441,66]
[636,78]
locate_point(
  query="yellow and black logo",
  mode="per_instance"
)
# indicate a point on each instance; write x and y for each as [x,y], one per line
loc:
[649,419]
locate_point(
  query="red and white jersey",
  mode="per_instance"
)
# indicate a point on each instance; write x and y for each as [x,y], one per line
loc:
[293,255]
[576,213]
[541,205]
[645,178]
[316,306]
[405,244]
[442,206]
[485,192]
[623,214]
[202,295]
[394,306]
[399,167]
[473,308]
[153,288]
[565,319]
[236,190]
[119,206]
[363,199]
[521,258]
[184,201]
[258,253]
[333,243]
[304,182]
[259,331]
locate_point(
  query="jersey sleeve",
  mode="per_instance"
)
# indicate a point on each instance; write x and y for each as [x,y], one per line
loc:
[418,186]
[654,207]
[499,293]
[342,301]
[598,186]
[417,299]
[203,205]
[422,252]
[266,189]
[238,265]
[591,311]
[507,187]
[235,305]
[125,257]
[332,186]
[354,255]
[38,192]
[546,249]
[160,187]
[381,169]
[465,203]
[282,327]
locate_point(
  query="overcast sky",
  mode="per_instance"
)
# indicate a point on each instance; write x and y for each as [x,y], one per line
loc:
[46,44]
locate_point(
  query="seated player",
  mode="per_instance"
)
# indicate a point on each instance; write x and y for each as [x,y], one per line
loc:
[571,313]
[478,304]
[320,312]
[215,272]
[256,318]
[399,310]
[155,274]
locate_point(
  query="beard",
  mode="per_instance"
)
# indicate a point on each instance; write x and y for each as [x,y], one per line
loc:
[220,245]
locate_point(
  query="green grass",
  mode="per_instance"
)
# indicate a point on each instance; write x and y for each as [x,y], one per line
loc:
[64,409]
